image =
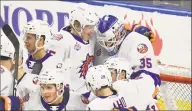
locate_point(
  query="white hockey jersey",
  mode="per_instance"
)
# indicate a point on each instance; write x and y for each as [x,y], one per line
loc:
[82,55]
[6,81]
[50,60]
[107,103]
[36,102]
[137,92]
[138,50]
[28,88]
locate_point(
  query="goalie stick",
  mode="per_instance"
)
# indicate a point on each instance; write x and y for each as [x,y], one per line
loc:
[12,37]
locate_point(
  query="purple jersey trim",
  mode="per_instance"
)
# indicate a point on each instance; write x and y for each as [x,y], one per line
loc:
[156,77]
[61,105]
[41,60]
[74,36]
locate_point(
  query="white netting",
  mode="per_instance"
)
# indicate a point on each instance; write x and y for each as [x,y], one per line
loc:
[175,95]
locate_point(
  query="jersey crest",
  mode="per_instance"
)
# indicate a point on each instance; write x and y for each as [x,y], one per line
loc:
[35,80]
[77,46]
[30,61]
[84,67]
[2,70]
[57,37]
[142,48]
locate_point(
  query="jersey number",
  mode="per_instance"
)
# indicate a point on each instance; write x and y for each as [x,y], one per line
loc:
[146,62]
[120,103]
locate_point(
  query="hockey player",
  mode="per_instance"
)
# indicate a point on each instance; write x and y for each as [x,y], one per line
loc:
[79,39]
[120,95]
[119,68]
[78,44]
[37,34]
[28,84]
[113,39]
[14,102]
[47,91]
[6,66]
[100,83]
[131,87]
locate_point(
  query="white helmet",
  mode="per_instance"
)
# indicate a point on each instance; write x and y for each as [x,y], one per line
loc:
[97,77]
[6,47]
[110,30]
[119,64]
[39,28]
[53,76]
[83,13]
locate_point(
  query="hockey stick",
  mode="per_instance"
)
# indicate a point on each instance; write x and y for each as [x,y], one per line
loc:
[37,68]
[12,37]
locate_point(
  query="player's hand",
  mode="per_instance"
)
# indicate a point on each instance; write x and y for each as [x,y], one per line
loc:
[158,62]
[84,100]
[151,36]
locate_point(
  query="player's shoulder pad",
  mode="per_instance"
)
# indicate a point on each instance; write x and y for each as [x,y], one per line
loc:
[93,105]
[66,35]
[117,85]
[5,73]
[137,36]
[2,70]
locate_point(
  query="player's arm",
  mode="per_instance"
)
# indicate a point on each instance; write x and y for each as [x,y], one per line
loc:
[144,31]
[6,86]
[62,44]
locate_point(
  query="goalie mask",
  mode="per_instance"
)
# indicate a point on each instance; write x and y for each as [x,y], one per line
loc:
[110,33]
[98,77]
[119,68]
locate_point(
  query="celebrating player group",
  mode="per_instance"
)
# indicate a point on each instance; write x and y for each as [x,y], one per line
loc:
[95,63]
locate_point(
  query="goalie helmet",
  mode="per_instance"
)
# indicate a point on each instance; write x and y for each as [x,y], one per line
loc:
[97,77]
[119,64]
[110,33]
[6,47]
[84,14]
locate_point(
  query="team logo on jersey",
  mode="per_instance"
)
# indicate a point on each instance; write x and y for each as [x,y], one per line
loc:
[59,65]
[98,52]
[57,37]
[26,98]
[158,42]
[77,46]
[35,80]
[86,64]
[142,48]
[1,70]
